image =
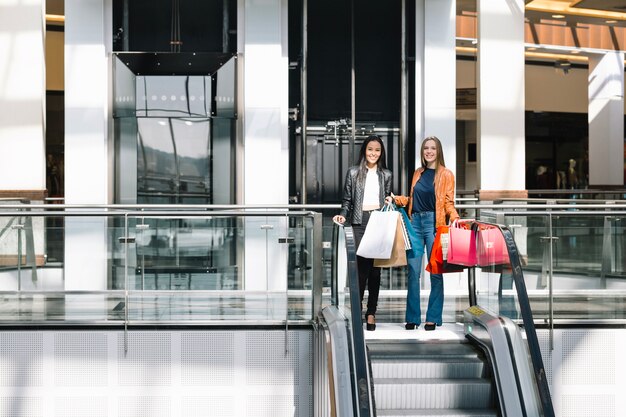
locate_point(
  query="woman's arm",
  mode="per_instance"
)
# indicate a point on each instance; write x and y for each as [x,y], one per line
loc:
[401,200]
[346,201]
[448,203]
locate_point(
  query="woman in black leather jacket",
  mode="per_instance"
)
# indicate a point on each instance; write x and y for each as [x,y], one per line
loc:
[367,187]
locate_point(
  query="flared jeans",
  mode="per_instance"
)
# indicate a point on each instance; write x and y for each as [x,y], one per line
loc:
[424,225]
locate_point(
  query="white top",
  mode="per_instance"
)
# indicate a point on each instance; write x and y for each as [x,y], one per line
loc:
[372,190]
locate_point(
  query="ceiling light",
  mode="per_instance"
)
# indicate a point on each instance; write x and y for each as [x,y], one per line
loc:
[558,16]
[531,49]
[55,18]
[563,65]
[611,21]
[574,51]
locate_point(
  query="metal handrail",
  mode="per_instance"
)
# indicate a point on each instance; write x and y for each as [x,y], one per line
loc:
[549,204]
[362,396]
[363,400]
[160,213]
[173,206]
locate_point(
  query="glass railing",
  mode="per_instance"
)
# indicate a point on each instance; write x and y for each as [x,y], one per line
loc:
[573,260]
[109,265]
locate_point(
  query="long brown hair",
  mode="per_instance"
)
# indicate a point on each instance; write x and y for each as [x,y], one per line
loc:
[440,161]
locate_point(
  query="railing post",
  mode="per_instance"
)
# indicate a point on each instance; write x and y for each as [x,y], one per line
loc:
[334,268]
[551,283]
[126,297]
[19,227]
[608,259]
[317,266]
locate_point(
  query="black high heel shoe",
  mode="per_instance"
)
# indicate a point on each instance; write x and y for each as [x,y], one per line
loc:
[410,326]
[429,326]
[370,326]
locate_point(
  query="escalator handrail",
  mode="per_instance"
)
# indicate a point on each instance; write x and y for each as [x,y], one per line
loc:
[362,394]
[527,316]
[362,391]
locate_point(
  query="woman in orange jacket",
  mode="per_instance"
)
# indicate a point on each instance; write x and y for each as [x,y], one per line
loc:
[430,204]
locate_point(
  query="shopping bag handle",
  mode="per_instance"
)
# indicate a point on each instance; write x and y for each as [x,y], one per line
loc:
[391,206]
[462,222]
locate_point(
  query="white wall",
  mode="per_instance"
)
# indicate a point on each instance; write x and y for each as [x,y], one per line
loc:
[262,373]
[501,91]
[266,148]
[22,95]
[87,143]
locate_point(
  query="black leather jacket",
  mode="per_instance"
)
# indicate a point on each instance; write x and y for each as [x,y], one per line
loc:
[353,190]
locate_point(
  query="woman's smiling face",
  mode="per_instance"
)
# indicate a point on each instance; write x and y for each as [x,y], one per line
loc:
[429,151]
[372,153]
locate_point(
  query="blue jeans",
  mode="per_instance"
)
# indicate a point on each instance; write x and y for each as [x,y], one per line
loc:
[424,225]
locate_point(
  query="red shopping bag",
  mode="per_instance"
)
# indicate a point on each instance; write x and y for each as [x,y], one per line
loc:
[462,248]
[491,247]
[436,263]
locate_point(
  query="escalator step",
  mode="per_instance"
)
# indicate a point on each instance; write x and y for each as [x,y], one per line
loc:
[437,413]
[428,368]
[394,393]
[410,349]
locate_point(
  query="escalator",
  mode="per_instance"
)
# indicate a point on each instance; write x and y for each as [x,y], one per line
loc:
[414,378]
[496,369]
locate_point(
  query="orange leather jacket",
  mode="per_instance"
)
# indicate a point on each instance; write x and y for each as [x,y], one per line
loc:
[444,196]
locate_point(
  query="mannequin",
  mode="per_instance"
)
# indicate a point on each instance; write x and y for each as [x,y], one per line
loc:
[572,176]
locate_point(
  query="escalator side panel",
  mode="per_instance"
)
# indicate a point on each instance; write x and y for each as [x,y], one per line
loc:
[340,366]
[517,388]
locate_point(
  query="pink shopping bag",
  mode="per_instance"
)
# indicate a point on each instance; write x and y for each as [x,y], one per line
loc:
[491,247]
[462,247]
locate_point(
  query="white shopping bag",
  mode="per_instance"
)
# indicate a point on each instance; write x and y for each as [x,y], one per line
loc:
[377,241]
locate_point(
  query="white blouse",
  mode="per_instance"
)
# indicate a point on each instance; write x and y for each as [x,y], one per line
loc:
[372,190]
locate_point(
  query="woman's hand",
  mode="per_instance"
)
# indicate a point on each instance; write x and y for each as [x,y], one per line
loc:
[389,199]
[339,219]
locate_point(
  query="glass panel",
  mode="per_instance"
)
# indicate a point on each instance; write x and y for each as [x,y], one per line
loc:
[226,89]
[578,249]
[174,96]
[193,152]
[177,269]
[185,254]
[124,102]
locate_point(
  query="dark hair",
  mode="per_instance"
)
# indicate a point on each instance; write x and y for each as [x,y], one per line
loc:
[438,147]
[382,161]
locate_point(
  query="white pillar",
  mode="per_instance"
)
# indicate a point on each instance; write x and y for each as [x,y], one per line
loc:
[501,134]
[435,95]
[606,119]
[87,115]
[265,122]
[22,99]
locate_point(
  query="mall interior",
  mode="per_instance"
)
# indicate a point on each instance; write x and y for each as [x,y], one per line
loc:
[169,174]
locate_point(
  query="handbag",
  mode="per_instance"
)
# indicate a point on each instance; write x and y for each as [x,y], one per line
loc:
[379,236]
[436,263]
[462,247]
[492,249]
[398,253]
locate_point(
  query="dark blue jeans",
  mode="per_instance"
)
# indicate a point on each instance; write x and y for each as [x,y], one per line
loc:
[424,225]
